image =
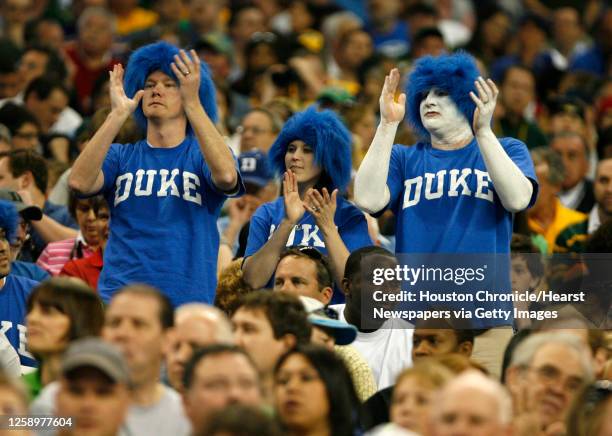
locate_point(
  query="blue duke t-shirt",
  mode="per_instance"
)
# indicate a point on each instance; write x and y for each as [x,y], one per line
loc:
[13,297]
[445,201]
[350,221]
[164,207]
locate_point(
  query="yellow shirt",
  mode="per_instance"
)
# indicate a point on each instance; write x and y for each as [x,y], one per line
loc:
[563,217]
[139,19]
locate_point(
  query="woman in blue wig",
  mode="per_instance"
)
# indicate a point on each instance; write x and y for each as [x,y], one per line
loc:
[165,192]
[456,190]
[313,153]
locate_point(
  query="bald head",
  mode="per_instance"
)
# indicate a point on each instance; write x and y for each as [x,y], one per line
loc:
[195,325]
[473,404]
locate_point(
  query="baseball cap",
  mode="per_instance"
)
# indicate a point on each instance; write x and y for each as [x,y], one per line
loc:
[95,353]
[255,168]
[343,332]
[335,95]
[28,213]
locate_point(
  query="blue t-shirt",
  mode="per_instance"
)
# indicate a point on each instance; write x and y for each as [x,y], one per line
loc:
[445,201]
[350,221]
[13,297]
[29,270]
[164,208]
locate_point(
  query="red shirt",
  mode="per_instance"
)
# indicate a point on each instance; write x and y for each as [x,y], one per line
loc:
[88,269]
[84,77]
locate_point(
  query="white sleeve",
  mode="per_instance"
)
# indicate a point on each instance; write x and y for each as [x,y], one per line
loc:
[512,186]
[371,190]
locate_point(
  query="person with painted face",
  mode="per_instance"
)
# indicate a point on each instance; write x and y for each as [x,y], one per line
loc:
[313,151]
[456,190]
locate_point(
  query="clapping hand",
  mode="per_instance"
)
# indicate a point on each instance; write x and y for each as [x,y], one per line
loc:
[485,103]
[322,206]
[121,103]
[392,111]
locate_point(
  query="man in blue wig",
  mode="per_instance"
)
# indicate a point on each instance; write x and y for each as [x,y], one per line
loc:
[14,290]
[165,191]
[457,189]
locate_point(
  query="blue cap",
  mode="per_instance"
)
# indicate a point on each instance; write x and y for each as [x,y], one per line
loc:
[343,332]
[255,168]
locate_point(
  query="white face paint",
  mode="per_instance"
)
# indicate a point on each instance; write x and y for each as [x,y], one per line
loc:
[442,118]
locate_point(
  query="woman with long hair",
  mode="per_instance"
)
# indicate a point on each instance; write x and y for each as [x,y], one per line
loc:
[314,394]
[313,152]
[59,311]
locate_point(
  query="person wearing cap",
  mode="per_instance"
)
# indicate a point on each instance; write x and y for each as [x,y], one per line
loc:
[27,213]
[26,172]
[14,290]
[260,188]
[94,389]
[165,192]
[338,336]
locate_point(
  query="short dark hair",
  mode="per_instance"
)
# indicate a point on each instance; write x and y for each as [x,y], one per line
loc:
[519,67]
[202,353]
[74,299]
[43,87]
[324,270]
[285,313]
[14,116]
[21,161]
[96,202]
[522,244]
[353,263]
[166,311]
[55,68]
[343,411]
[242,420]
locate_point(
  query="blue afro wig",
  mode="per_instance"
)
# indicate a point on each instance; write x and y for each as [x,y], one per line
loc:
[453,73]
[9,219]
[158,57]
[329,138]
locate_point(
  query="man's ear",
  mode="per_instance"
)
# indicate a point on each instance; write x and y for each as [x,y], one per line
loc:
[26,180]
[513,380]
[346,287]
[289,341]
[466,348]
[327,293]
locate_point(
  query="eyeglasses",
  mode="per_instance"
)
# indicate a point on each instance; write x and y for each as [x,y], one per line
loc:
[550,375]
[256,130]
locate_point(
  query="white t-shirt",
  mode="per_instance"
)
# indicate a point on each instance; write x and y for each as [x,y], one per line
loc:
[387,350]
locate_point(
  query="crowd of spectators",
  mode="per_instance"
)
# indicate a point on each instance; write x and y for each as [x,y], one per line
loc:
[150,346]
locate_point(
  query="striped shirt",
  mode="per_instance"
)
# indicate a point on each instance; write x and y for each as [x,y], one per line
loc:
[56,254]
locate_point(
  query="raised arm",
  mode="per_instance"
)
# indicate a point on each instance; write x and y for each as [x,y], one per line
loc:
[259,268]
[86,176]
[512,186]
[216,153]
[371,190]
